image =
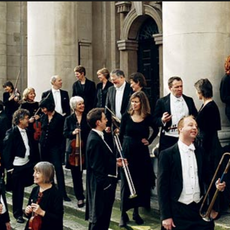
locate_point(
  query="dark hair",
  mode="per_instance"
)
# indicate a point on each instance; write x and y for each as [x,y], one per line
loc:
[144,103]
[47,171]
[172,79]
[8,83]
[48,104]
[19,115]
[118,73]
[204,87]
[94,115]
[138,78]
[80,69]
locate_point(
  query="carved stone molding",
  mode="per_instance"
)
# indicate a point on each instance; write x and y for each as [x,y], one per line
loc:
[158,39]
[123,6]
[127,45]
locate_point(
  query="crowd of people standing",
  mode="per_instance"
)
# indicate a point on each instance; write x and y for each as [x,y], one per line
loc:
[38,137]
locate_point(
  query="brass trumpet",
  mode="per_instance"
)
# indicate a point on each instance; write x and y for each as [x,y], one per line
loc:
[125,167]
[206,215]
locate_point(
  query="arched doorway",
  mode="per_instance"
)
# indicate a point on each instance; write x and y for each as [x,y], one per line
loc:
[148,57]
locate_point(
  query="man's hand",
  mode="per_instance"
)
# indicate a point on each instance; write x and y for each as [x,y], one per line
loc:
[166,117]
[220,186]
[168,224]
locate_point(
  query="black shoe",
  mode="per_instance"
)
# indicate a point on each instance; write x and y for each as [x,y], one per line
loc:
[80,203]
[66,198]
[138,219]
[124,219]
[20,220]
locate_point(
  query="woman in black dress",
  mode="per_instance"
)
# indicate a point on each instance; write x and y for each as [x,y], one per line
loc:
[209,122]
[102,87]
[76,124]
[45,200]
[11,98]
[135,138]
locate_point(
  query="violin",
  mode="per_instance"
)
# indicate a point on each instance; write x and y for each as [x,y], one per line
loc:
[76,158]
[35,222]
[37,130]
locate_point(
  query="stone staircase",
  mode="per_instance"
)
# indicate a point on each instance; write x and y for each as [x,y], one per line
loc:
[74,216]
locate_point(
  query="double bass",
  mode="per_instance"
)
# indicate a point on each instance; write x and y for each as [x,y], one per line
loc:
[76,158]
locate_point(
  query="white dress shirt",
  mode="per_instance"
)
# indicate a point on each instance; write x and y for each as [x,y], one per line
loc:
[57,100]
[191,189]
[19,161]
[118,99]
[179,109]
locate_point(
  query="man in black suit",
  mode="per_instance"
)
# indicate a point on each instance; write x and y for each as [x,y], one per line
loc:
[180,183]
[117,99]
[19,159]
[101,178]
[84,88]
[170,109]
[59,97]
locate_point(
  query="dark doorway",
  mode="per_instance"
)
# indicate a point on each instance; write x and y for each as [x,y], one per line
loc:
[148,58]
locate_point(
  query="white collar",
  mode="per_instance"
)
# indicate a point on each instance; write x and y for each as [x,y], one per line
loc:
[100,133]
[121,87]
[185,147]
[176,98]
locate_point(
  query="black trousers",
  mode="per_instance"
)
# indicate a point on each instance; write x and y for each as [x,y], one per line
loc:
[187,217]
[54,156]
[22,177]
[104,220]
[77,182]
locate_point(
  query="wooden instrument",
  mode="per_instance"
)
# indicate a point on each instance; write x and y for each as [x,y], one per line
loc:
[76,158]
[35,222]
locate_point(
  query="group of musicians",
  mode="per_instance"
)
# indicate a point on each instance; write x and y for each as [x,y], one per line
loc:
[46,130]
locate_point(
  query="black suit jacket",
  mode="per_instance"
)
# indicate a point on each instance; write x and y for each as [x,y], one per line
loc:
[110,101]
[13,146]
[88,94]
[100,162]
[64,100]
[170,181]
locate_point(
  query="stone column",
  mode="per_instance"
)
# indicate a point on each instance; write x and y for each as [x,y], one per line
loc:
[52,48]
[2,43]
[196,41]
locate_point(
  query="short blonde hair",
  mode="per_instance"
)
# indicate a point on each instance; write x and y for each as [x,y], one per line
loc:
[26,93]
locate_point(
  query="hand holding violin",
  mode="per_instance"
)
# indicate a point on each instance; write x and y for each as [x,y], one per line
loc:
[37,209]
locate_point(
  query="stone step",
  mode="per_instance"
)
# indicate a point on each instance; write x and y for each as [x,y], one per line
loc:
[74,216]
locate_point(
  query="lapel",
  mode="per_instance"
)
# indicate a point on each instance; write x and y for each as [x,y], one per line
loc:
[177,160]
[113,98]
[125,98]
[167,104]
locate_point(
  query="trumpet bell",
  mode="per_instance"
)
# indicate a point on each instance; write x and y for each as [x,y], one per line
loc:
[132,196]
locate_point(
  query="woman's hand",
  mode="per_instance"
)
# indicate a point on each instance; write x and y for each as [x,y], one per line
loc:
[28,210]
[76,131]
[145,141]
[37,210]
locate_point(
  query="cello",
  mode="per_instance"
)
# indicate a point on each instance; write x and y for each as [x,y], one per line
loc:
[35,222]
[76,158]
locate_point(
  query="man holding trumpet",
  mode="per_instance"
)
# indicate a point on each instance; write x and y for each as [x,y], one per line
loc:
[181,176]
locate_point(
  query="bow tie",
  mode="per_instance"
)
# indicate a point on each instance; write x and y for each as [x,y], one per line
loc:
[191,147]
[23,131]
[56,90]
[179,99]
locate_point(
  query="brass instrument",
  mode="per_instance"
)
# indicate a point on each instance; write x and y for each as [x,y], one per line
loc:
[206,215]
[113,115]
[125,167]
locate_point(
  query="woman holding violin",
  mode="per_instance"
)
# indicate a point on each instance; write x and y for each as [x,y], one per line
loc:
[45,206]
[11,98]
[32,106]
[75,129]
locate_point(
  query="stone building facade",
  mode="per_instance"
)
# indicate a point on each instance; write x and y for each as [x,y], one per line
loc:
[159,39]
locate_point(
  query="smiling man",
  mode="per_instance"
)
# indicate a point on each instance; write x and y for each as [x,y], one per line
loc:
[181,177]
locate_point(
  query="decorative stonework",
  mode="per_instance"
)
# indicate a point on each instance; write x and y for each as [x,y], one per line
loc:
[138,7]
[158,39]
[127,45]
[123,7]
